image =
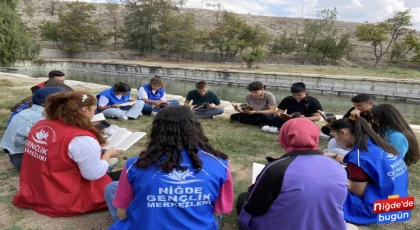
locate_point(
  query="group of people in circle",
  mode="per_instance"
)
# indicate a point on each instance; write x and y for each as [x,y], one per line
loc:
[181,181]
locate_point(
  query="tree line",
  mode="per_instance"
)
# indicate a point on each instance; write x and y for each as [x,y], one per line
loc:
[156,26]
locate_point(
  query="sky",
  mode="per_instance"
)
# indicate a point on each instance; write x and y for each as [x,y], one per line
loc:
[348,10]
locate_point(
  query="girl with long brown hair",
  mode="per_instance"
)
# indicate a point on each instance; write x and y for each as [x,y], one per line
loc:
[63,172]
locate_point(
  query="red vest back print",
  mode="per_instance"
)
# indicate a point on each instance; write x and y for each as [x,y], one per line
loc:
[50,181]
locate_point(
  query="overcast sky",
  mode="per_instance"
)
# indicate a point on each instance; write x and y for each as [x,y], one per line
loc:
[348,10]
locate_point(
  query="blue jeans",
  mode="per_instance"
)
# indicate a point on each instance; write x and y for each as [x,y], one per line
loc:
[148,108]
[110,191]
[134,112]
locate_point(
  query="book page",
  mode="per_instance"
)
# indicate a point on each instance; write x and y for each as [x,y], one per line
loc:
[117,138]
[130,140]
[98,117]
[256,170]
[128,103]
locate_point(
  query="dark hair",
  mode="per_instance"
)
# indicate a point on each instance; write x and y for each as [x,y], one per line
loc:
[361,132]
[387,116]
[255,85]
[23,101]
[176,128]
[57,83]
[67,107]
[157,80]
[200,85]
[298,87]
[362,98]
[55,73]
[122,87]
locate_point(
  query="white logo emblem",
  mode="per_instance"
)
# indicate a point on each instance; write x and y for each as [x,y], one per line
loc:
[40,136]
[180,177]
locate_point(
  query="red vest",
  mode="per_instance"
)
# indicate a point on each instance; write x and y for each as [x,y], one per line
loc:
[50,181]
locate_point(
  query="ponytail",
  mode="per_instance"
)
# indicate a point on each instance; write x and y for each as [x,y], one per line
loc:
[67,106]
[361,132]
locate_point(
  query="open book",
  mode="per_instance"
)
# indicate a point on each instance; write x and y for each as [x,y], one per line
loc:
[123,139]
[160,105]
[243,107]
[328,117]
[287,116]
[128,103]
[256,170]
[98,117]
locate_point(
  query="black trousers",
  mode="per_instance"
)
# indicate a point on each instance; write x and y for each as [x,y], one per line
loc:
[276,122]
[251,119]
[241,201]
[16,160]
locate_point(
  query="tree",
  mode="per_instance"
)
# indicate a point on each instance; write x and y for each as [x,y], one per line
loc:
[29,8]
[52,6]
[15,41]
[75,31]
[142,22]
[315,30]
[49,32]
[380,33]
[340,49]
[254,56]
[398,52]
[218,7]
[233,35]
[177,33]
[113,13]
[284,44]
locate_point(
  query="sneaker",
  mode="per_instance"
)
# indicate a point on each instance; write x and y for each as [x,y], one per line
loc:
[113,161]
[266,128]
[153,114]
[123,118]
[270,129]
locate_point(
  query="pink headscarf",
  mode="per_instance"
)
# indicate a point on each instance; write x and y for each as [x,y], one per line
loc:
[299,134]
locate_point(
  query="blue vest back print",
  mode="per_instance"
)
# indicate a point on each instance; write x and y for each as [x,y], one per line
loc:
[153,96]
[175,200]
[389,174]
[109,93]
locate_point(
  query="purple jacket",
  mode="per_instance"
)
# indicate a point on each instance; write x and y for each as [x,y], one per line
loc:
[301,190]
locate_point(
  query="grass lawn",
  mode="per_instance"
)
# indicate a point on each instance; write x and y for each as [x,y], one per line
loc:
[380,72]
[243,144]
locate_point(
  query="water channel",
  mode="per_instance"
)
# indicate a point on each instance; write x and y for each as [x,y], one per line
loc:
[330,103]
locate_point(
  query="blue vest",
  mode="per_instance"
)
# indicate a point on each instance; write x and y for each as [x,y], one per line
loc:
[19,109]
[390,175]
[175,200]
[153,96]
[109,93]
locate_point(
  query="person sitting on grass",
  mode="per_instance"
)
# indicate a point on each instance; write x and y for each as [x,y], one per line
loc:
[301,190]
[16,134]
[55,74]
[206,104]
[391,125]
[179,182]
[63,171]
[375,168]
[362,106]
[300,104]
[110,101]
[262,102]
[154,95]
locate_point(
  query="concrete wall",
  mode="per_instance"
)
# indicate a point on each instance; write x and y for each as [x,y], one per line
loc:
[388,89]
[56,53]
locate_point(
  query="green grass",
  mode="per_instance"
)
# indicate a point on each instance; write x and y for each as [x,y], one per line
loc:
[243,144]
